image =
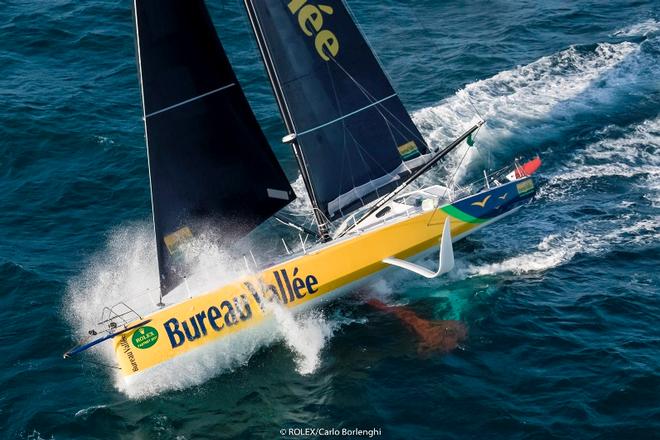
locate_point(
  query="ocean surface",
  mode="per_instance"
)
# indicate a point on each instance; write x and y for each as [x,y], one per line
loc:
[561,300]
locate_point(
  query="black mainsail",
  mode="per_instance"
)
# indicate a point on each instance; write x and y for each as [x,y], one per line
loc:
[209,162]
[353,138]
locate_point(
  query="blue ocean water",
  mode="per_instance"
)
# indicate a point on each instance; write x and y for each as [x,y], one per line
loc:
[561,299]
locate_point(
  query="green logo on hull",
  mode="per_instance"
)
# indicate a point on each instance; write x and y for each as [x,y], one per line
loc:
[145,337]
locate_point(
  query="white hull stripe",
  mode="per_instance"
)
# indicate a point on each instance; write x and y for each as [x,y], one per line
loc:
[345,116]
[187,101]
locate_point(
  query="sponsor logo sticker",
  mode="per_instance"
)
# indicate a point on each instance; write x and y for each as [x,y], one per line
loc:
[408,150]
[174,240]
[525,187]
[145,337]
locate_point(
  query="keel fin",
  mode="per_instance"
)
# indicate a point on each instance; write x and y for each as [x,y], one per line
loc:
[446,258]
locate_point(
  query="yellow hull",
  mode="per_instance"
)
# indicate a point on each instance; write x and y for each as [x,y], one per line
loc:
[237,306]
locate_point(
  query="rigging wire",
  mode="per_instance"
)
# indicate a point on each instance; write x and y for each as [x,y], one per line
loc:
[467,97]
[373,99]
[390,126]
[423,169]
[460,163]
[463,92]
[382,68]
[345,155]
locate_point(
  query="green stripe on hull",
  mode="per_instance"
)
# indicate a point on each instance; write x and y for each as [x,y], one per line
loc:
[457,213]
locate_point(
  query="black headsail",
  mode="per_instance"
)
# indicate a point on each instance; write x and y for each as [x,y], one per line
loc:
[209,162]
[353,137]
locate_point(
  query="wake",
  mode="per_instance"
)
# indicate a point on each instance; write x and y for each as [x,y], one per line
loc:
[558,249]
[533,101]
[646,28]
[529,105]
[630,153]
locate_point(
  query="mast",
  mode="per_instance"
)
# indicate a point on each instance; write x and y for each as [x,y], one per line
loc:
[321,220]
[352,136]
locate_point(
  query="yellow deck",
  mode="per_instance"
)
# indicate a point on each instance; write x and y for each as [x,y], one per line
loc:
[234,307]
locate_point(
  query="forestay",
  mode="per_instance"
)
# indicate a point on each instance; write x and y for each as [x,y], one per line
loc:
[353,137]
[209,162]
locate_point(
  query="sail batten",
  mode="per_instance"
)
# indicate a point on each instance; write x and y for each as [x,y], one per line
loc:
[348,115]
[351,132]
[187,101]
[211,169]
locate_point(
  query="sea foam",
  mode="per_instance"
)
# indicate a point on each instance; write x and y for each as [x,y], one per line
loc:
[125,271]
[533,103]
[644,29]
[527,104]
[516,101]
[630,152]
[558,249]
[625,152]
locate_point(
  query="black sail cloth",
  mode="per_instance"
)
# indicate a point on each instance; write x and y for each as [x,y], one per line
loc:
[209,162]
[354,137]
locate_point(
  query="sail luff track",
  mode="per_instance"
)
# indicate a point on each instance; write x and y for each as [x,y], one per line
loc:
[138,56]
[320,219]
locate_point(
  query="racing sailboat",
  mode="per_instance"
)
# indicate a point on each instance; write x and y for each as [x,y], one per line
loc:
[358,151]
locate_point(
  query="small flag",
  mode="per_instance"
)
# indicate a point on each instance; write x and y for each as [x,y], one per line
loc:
[470,141]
